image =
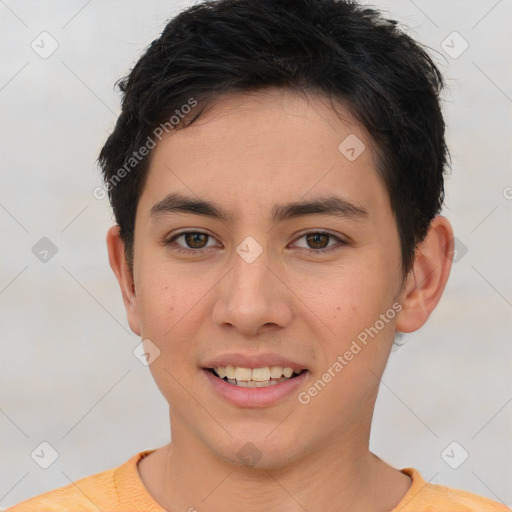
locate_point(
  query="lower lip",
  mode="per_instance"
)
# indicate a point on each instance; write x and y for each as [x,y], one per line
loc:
[254,397]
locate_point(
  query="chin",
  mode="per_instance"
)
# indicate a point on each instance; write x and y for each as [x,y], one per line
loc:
[256,452]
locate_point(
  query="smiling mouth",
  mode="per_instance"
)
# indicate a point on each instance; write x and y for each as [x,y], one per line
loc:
[254,377]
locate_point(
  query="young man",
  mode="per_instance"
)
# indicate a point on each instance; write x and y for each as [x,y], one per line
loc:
[276,175]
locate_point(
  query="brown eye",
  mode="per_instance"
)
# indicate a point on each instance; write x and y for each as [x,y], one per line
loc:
[191,242]
[195,240]
[318,240]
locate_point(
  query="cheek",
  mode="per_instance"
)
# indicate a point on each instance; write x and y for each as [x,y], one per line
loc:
[166,309]
[162,300]
[349,311]
[347,300]
[172,310]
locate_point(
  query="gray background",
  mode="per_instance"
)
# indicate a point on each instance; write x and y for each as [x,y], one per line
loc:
[68,373]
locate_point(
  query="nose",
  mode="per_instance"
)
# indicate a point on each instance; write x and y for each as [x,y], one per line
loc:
[253,297]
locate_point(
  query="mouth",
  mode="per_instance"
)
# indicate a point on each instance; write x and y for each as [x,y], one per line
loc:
[262,377]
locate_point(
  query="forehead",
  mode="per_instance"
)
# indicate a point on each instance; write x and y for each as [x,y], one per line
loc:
[253,151]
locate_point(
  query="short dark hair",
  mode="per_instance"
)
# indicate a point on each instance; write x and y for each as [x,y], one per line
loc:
[334,48]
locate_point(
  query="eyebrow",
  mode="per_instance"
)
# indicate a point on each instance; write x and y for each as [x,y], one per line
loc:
[328,205]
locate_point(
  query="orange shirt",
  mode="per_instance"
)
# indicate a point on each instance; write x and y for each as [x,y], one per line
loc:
[121,489]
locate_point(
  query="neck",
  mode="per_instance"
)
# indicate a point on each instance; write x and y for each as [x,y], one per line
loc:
[339,476]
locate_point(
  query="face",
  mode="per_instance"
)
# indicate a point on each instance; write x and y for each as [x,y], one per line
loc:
[259,243]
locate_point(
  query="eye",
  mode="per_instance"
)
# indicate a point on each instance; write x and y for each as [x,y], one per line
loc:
[194,241]
[318,241]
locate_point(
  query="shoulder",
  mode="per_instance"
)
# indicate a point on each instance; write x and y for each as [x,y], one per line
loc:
[423,496]
[92,493]
[85,494]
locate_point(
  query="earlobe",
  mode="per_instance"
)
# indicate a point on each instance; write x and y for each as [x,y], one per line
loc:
[427,279]
[120,267]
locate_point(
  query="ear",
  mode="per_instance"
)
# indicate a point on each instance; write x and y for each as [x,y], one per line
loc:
[427,279]
[119,265]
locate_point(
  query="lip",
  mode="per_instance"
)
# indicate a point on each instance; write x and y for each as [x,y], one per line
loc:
[253,361]
[254,397]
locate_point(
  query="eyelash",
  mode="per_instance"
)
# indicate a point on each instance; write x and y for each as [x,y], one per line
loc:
[181,250]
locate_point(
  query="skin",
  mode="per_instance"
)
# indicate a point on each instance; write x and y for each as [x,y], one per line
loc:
[247,153]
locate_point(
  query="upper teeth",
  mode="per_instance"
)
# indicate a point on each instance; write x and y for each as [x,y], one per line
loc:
[256,374]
